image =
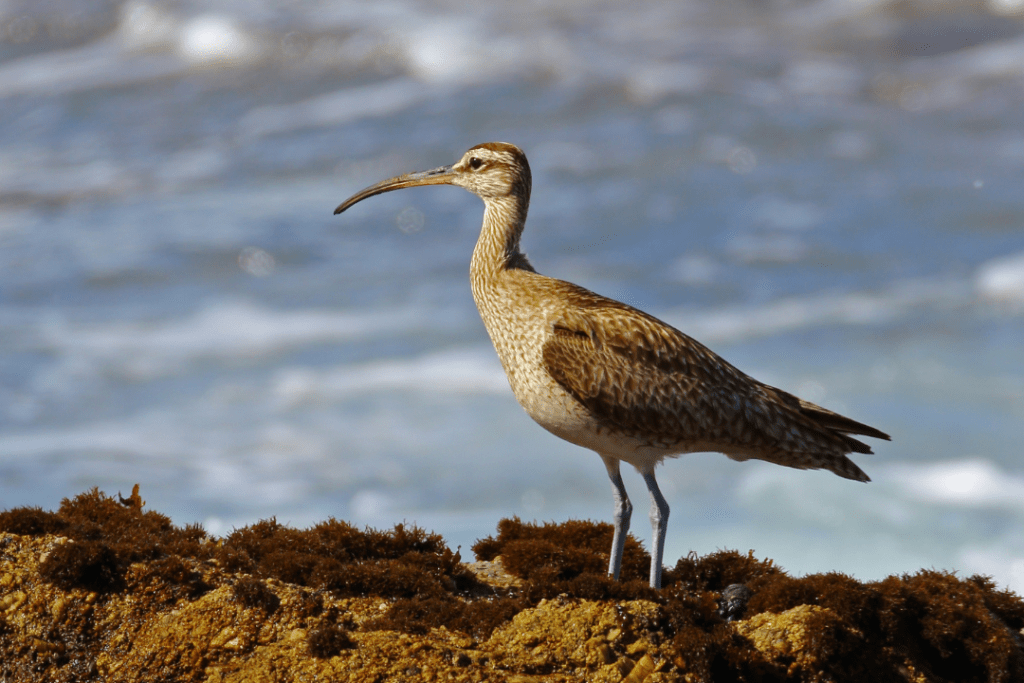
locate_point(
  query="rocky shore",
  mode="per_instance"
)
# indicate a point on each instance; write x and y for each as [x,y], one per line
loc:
[105,590]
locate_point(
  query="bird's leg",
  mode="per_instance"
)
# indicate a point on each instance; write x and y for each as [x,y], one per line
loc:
[659,525]
[623,511]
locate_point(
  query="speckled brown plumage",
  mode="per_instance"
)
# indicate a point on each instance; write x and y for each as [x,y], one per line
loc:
[608,377]
[641,377]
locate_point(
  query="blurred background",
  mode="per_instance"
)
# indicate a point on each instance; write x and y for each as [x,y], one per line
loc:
[826,192]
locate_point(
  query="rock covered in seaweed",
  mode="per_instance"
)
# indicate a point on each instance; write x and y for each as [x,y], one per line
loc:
[103,590]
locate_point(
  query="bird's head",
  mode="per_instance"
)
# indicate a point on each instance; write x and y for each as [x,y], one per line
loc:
[491,171]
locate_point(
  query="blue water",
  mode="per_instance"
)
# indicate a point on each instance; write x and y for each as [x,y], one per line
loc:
[828,194]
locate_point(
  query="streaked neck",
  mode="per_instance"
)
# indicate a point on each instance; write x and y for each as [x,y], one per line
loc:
[497,249]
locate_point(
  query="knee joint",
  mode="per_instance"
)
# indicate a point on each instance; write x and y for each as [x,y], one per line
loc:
[659,515]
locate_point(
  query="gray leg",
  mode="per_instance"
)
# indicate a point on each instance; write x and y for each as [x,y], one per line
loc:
[623,510]
[659,525]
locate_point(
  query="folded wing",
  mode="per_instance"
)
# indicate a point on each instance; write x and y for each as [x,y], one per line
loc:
[643,378]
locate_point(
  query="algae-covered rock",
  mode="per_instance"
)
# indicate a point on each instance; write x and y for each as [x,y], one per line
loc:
[102,590]
[797,636]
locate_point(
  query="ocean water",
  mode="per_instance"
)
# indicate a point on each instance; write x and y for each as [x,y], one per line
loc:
[828,193]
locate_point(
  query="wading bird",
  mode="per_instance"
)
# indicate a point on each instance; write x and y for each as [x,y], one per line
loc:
[608,377]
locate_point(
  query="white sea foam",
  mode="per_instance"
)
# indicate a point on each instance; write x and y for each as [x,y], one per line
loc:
[216,39]
[974,483]
[149,44]
[988,60]
[472,370]
[655,82]
[1003,565]
[146,26]
[953,79]
[58,178]
[457,50]
[1002,279]
[371,504]
[189,165]
[783,315]
[343,106]
[903,495]
[226,331]
[97,65]
[903,508]
[104,438]
[206,39]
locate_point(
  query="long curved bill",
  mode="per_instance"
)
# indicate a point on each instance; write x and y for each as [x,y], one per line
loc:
[442,175]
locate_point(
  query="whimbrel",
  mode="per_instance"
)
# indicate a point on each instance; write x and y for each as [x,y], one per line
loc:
[608,377]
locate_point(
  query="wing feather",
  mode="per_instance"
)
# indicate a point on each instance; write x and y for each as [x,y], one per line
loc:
[642,377]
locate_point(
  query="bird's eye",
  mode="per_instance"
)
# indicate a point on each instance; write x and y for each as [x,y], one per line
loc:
[475,163]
